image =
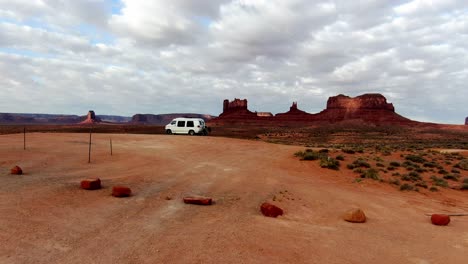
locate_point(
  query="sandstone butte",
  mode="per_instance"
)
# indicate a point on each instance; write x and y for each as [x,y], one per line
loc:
[466,121]
[91,118]
[369,108]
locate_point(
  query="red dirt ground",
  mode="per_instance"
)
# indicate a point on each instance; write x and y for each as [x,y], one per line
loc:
[46,218]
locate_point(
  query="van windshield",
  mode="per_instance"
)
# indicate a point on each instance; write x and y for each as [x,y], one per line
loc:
[173,122]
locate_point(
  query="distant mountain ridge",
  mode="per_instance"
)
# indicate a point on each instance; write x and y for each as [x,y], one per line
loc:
[58,119]
[164,119]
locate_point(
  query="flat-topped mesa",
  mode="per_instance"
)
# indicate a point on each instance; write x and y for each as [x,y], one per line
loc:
[235,108]
[369,108]
[365,101]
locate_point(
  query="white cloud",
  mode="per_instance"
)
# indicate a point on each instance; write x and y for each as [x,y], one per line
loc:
[187,56]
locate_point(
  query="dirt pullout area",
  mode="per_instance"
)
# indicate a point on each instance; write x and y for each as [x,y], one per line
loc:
[46,218]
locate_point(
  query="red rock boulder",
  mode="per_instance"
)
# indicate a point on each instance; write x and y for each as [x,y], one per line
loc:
[91,184]
[355,216]
[121,191]
[440,219]
[16,170]
[198,200]
[270,210]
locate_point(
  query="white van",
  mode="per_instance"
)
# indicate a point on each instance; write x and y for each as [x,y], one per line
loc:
[190,126]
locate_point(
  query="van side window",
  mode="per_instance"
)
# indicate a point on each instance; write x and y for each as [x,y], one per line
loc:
[190,124]
[181,124]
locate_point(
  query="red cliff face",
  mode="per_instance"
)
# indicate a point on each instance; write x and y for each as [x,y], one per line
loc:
[294,112]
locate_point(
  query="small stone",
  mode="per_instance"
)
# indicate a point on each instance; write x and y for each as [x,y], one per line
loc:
[121,191]
[198,200]
[91,184]
[16,170]
[270,210]
[355,216]
[440,219]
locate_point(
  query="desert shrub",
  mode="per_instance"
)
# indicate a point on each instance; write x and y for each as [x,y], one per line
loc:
[451,177]
[464,186]
[465,180]
[370,174]
[378,159]
[420,170]
[340,157]
[378,164]
[448,163]
[412,176]
[311,156]
[396,174]
[395,182]
[361,163]
[433,189]
[358,170]
[463,164]
[455,171]
[442,171]
[439,182]
[348,151]
[415,158]
[430,164]
[299,154]
[329,163]
[395,164]
[390,168]
[323,151]
[406,187]
[421,184]
[350,166]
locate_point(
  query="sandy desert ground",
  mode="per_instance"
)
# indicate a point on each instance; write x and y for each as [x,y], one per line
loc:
[46,218]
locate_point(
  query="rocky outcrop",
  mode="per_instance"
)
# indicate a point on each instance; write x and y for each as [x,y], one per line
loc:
[121,191]
[271,210]
[16,170]
[199,200]
[91,118]
[354,216]
[466,121]
[440,219]
[91,184]
[164,119]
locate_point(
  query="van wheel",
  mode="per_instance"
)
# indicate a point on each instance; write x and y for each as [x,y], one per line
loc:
[191,132]
[169,132]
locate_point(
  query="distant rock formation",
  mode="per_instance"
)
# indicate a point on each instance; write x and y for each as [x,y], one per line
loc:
[236,109]
[368,108]
[294,112]
[372,108]
[366,101]
[466,121]
[91,118]
[164,119]
[264,114]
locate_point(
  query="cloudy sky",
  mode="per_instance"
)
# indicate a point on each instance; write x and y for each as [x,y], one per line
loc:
[160,56]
